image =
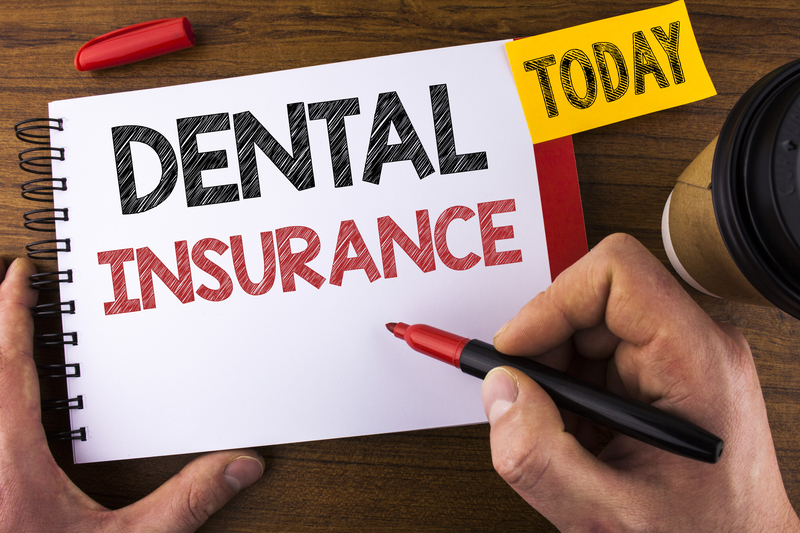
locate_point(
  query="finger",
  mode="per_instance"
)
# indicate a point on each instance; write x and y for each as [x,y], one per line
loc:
[19,384]
[30,474]
[535,455]
[559,357]
[16,300]
[596,342]
[594,371]
[619,284]
[735,335]
[185,502]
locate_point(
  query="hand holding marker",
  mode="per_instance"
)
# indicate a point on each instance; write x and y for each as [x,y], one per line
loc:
[627,416]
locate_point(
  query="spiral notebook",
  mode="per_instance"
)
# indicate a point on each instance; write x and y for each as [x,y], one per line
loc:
[229,252]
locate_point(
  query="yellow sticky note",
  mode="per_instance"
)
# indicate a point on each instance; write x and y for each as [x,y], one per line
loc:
[595,74]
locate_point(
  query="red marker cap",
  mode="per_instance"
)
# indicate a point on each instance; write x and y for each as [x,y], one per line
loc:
[135,43]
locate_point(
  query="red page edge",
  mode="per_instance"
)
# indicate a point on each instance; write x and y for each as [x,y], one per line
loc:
[562,211]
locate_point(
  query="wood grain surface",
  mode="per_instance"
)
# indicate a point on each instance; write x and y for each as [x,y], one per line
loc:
[438,480]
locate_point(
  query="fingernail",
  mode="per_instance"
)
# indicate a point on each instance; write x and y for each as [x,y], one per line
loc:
[12,266]
[500,390]
[243,472]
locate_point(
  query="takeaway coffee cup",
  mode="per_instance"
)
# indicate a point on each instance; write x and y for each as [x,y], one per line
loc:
[731,226]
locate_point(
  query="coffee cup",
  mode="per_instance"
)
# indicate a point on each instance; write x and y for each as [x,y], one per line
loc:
[731,225]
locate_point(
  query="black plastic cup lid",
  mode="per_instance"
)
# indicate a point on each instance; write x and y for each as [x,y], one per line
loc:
[755,183]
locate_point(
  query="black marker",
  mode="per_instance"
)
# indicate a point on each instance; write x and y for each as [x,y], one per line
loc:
[630,417]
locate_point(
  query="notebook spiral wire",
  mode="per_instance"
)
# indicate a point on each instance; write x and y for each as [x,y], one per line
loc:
[37,160]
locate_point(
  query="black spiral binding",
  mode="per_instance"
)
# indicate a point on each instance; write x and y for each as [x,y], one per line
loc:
[38,161]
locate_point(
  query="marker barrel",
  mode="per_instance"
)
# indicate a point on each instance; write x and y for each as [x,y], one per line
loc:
[629,417]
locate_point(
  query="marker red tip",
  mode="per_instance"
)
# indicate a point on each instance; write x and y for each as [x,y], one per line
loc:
[439,344]
[135,43]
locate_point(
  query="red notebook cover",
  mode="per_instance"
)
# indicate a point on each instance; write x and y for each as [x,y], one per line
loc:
[561,203]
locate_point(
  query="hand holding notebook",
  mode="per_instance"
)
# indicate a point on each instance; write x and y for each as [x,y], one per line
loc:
[37,496]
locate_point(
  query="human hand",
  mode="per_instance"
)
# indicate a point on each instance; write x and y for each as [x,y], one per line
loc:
[617,318]
[36,495]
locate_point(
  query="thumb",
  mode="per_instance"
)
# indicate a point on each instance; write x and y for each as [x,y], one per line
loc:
[534,454]
[188,499]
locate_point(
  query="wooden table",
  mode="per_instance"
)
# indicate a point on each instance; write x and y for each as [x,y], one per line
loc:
[438,480]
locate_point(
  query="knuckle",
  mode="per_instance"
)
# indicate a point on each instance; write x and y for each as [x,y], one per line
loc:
[521,464]
[735,335]
[197,508]
[620,241]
